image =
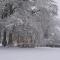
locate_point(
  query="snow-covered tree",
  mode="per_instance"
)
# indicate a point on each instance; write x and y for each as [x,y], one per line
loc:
[41,17]
[38,13]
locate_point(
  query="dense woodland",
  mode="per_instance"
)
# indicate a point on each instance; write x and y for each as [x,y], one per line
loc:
[29,19]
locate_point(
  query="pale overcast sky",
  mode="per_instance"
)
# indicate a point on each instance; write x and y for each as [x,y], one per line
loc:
[58,3]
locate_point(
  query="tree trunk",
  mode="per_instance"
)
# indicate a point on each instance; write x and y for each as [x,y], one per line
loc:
[0,37]
[4,42]
[10,39]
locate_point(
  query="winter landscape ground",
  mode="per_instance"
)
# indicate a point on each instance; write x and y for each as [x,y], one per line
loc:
[42,53]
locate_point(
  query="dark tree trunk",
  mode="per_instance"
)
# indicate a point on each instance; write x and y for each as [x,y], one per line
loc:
[10,39]
[4,42]
[0,37]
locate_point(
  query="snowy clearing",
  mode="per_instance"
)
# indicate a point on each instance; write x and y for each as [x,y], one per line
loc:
[41,53]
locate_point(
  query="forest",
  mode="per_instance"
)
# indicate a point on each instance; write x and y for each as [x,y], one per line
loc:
[27,23]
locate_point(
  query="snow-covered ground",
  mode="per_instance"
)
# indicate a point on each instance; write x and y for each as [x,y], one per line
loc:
[41,53]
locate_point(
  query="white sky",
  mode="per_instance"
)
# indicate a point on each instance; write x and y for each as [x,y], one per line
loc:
[58,3]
